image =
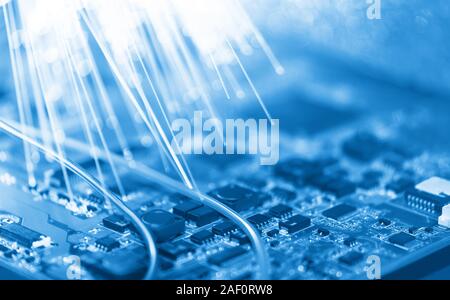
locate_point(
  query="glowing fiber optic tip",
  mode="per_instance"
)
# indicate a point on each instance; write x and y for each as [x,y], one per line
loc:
[170,48]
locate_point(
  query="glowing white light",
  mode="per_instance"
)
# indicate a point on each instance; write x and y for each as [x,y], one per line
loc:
[163,54]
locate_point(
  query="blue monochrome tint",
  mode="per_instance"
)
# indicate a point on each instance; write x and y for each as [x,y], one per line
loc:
[247,139]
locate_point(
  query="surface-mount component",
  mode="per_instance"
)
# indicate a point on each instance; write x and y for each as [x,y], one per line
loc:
[295,223]
[163,224]
[429,195]
[23,235]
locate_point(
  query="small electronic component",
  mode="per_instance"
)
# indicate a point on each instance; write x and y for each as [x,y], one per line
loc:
[163,224]
[280,211]
[202,237]
[107,243]
[120,264]
[384,222]
[202,216]
[116,223]
[184,208]
[240,238]
[236,196]
[221,258]
[430,195]
[338,211]
[176,249]
[401,238]
[295,223]
[24,236]
[224,228]
[273,232]
[323,232]
[259,220]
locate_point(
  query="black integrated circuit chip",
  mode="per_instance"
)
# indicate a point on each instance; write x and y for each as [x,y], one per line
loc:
[240,238]
[163,225]
[224,228]
[237,197]
[107,243]
[259,220]
[202,237]
[401,238]
[338,211]
[295,223]
[184,208]
[20,234]
[176,249]
[202,216]
[116,223]
[280,211]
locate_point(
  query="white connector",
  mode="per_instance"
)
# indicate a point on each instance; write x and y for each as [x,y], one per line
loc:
[444,218]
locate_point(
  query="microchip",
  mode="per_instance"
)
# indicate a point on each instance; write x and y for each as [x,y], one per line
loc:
[401,238]
[236,197]
[413,229]
[338,211]
[219,259]
[224,228]
[107,243]
[240,238]
[202,216]
[273,233]
[202,237]
[384,222]
[259,220]
[116,223]
[125,263]
[323,232]
[163,225]
[176,249]
[280,211]
[184,208]
[351,258]
[295,223]
[21,234]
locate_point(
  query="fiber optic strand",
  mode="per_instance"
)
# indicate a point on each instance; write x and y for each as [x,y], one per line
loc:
[262,258]
[145,234]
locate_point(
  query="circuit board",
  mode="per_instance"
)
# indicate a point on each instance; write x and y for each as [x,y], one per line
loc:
[321,216]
